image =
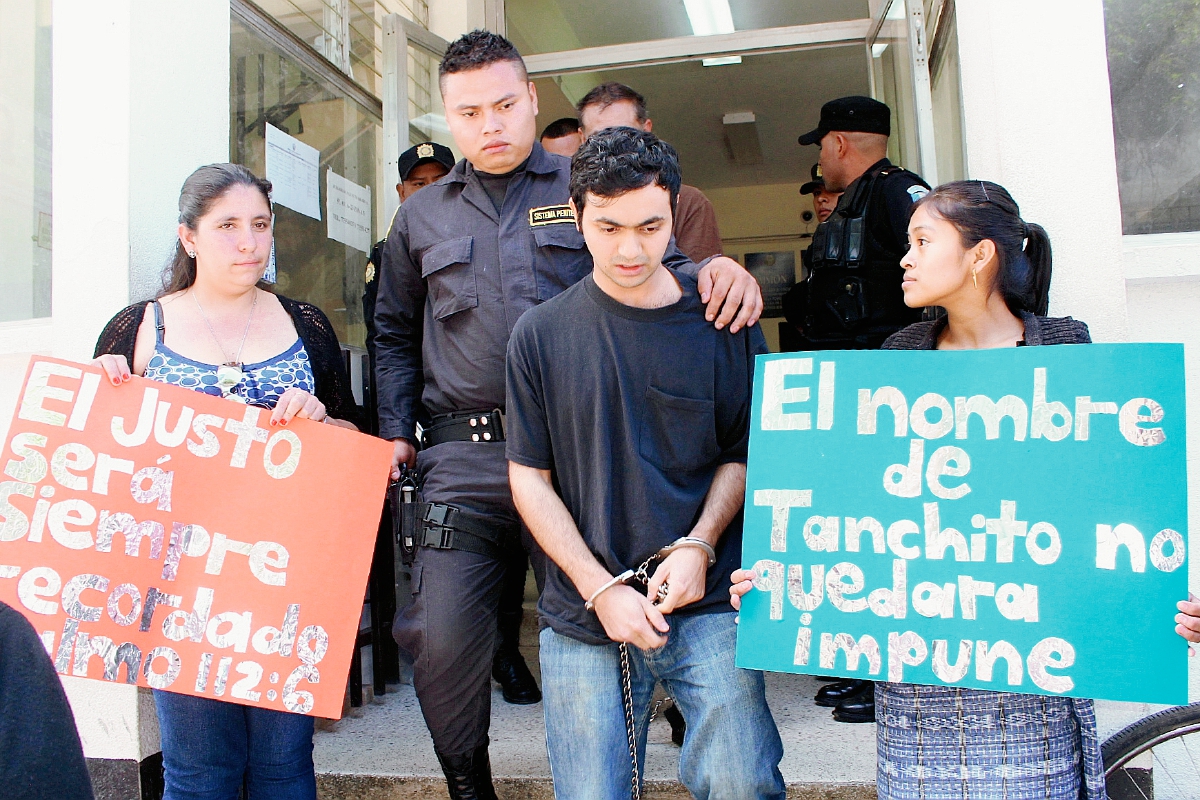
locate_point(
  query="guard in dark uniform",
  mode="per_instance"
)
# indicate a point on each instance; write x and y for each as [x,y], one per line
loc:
[463,260]
[852,298]
[420,166]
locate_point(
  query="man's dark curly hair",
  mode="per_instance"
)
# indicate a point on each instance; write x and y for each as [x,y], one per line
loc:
[615,161]
[479,49]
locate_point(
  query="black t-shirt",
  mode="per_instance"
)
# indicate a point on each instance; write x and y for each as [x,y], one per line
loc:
[40,754]
[632,410]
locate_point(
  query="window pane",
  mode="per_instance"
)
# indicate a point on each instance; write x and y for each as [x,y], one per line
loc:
[347,32]
[426,114]
[947,94]
[891,64]
[1154,72]
[547,26]
[24,159]
[268,87]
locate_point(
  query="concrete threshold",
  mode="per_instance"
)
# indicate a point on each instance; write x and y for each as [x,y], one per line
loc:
[382,751]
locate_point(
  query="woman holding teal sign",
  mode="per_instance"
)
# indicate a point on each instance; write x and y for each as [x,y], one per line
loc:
[972,255]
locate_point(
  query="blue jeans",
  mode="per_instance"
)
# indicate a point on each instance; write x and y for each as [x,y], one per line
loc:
[732,748]
[210,747]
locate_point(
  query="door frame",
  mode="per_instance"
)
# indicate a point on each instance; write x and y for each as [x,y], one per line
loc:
[793,38]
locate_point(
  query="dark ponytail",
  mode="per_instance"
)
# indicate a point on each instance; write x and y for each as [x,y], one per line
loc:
[984,210]
[202,188]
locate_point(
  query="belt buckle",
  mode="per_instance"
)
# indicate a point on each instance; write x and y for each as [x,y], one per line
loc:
[437,534]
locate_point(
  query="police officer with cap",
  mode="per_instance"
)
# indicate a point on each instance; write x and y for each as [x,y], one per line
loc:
[824,201]
[463,260]
[420,165]
[852,299]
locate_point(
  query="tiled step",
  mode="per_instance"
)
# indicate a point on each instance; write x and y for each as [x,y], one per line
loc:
[382,751]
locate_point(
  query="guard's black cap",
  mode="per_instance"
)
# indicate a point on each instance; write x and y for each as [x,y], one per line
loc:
[851,114]
[422,153]
[817,183]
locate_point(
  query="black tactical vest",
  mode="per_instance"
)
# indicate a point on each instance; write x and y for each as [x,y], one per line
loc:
[854,297]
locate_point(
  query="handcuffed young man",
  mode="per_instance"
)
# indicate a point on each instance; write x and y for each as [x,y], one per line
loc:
[628,418]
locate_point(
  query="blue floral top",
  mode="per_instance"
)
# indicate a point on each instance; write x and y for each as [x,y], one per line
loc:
[262,384]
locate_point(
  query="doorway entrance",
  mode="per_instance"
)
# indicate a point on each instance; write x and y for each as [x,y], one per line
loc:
[731,84]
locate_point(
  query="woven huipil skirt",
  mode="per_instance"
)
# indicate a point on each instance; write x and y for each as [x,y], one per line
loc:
[946,743]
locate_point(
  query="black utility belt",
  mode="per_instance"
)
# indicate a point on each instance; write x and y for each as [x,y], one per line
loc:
[471,426]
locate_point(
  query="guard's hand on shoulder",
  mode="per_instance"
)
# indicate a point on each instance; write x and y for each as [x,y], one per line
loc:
[731,293]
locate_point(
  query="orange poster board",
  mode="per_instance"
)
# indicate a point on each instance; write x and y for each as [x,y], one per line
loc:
[163,537]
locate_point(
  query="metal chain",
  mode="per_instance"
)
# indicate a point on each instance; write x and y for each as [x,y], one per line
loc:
[658,704]
[627,696]
[641,574]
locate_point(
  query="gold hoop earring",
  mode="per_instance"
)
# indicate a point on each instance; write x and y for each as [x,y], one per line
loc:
[975,278]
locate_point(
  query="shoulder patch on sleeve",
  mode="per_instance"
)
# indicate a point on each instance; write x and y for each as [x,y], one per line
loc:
[917,191]
[548,215]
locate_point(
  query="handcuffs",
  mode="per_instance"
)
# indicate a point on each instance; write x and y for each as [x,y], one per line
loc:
[642,573]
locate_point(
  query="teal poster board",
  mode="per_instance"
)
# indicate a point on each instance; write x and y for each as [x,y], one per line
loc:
[1013,519]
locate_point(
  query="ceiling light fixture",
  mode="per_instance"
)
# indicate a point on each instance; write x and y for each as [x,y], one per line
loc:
[741,138]
[709,17]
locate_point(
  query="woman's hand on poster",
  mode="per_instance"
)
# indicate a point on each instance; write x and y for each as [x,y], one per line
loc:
[743,582]
[685,573]
[297,403]
[1187,621]
[628,616]
[115,368]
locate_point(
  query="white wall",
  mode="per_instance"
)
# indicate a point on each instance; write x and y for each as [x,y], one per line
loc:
[1038,120]
[182,60]
[17,230]
[141,98]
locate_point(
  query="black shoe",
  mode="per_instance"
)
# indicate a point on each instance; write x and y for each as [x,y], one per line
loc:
[829,696]
[469,776]
[678,726]
[860,708]
[516,681]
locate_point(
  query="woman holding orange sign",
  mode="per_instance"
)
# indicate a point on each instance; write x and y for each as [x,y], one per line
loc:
[212,329]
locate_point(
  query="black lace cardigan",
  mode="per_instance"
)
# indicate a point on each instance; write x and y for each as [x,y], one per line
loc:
[1038,331]
[314,328]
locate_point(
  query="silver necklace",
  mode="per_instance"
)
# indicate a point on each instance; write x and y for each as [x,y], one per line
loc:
[229,374]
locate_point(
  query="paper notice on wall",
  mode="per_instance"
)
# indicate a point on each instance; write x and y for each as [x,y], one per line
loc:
[348,210]
[293,168]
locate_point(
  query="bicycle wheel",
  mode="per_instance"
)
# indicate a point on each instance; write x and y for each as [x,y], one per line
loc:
[1156,758]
